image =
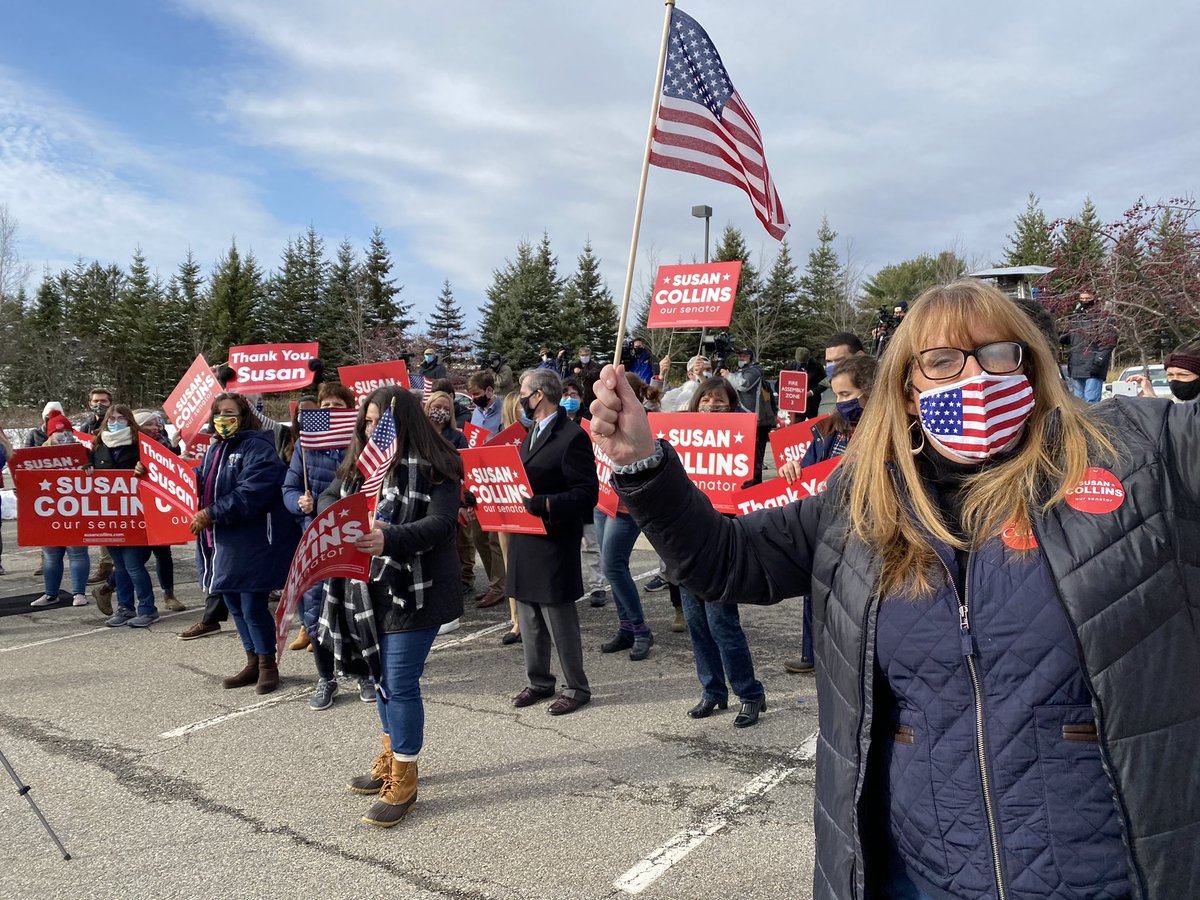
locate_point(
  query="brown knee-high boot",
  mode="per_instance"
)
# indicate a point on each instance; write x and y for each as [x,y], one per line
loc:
[247,676]
[372,782]
[268,674]
[397,797]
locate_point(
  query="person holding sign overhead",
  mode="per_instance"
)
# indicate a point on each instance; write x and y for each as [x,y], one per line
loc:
[246,536]
[544,572]
[386,626]
[1007,638]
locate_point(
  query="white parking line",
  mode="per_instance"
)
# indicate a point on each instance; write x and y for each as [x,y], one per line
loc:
[235,714]
[655,864]
[454,642]
[78,634]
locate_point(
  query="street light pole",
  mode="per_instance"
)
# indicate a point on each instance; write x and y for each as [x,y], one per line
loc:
[705,213]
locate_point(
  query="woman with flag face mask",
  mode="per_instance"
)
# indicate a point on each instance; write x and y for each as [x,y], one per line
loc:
[1007,627]
[386,626]
[245,534]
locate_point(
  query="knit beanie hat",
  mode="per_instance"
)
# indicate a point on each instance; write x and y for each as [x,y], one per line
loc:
[52,406]
[57,422]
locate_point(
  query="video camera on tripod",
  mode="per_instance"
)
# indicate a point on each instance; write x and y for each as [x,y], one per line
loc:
[887,323]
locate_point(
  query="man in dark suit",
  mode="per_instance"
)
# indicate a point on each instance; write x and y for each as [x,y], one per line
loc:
[544,572]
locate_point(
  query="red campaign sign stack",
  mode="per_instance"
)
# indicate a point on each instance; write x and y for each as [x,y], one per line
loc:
[476,436]
[37,459]
[604,472]
[694,296]
[497,479]
[779,492]
[69,508]
[194,450]
[270,368]
[169,477]
[190,402]
[791,443]
[326,550]
[509,437]
[793,391]
[371,376]
[717,450]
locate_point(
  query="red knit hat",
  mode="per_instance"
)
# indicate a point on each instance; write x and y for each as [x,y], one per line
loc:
[57,422]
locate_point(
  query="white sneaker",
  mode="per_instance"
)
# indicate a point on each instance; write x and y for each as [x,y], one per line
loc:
[79,600]
[449,627]
[44,600]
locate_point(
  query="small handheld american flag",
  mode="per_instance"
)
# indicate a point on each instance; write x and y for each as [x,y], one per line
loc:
[422,384]
[326,429]
[377,455]
[979,416]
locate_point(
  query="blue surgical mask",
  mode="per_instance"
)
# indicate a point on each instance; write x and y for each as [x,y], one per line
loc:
[117,425]
[428,357]
[829,367]
[525,420]
[570,404]
[850,410]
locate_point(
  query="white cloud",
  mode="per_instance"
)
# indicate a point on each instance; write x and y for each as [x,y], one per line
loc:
[79,187]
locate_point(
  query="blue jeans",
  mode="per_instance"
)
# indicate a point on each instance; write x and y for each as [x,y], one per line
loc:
[402,656]
[720,648]
[52,569]
[616,538]
[1087,389]
[255,626]
[129,569]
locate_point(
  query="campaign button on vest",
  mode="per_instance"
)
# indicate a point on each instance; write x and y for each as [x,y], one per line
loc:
[1099,492]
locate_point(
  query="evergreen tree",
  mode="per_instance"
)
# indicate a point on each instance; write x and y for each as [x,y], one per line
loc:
[904,281]
[137,336]
[1030,244]
[1081,248]
[236,292]
[520,317]
[46,319]
[746,325]
[446,329]
[591,302]
[192,305]
[823,289]
[382,305]
[783,293]
[341,308]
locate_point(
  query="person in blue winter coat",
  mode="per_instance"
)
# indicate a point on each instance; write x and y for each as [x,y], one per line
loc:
[851,382]
[299,496]
[1007,617]
[246,536]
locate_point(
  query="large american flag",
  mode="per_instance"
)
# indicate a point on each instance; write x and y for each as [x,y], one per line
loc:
[326,429]
[377,455]
[979,416]
[704,126]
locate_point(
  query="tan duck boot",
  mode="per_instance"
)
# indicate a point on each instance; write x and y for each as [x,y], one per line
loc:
[372,782]
[302,640]
[397,797]
[248,675]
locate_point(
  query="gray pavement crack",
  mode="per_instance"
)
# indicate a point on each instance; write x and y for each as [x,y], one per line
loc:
[132,774]
[744,758]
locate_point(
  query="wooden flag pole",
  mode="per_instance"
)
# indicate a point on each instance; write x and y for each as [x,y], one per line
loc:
[641,198]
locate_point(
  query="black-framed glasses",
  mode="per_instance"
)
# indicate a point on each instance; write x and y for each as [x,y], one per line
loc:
[996,358]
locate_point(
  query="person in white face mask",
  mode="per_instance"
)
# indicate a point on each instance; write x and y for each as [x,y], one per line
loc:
[1007,635]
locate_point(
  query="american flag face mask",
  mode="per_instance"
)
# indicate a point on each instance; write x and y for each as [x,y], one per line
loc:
[979,417]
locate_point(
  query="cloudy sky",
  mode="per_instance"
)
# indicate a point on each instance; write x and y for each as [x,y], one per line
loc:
[461,128]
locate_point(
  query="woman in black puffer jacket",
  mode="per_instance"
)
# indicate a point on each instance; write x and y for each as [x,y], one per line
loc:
[1007,617]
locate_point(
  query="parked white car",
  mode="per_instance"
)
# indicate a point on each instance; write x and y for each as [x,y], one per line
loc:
[1158,377]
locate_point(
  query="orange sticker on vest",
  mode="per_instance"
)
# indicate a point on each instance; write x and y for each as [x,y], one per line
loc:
[1018,537]
[1099,492]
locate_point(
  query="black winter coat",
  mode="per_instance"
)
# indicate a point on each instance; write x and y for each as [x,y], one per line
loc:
[545,569]
[105,457]
[1128,581]
[434,536]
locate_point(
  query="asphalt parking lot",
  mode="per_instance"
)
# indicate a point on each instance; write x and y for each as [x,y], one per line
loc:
[162,784]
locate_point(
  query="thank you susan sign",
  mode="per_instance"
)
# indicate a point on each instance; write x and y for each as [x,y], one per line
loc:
[267,368]
[694,296]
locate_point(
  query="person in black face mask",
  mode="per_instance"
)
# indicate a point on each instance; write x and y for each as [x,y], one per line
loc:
[99,400]
[851,381]
[1183,374]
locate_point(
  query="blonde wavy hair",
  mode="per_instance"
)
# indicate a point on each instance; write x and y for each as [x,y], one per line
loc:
[891,509]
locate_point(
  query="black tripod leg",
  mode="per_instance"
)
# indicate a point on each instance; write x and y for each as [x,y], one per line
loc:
[23,790]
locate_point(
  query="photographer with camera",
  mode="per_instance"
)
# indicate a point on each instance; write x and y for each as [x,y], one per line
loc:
[886,324]
[638,361]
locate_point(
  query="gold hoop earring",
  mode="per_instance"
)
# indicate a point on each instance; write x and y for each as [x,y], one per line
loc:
[916,451]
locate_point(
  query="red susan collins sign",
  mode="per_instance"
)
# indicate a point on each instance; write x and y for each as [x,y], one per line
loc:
[694,296]
[497,479]
[778,492]
[791,443]
[369,377]
[35,459]
[268,368]
[716,449]
[189,404]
